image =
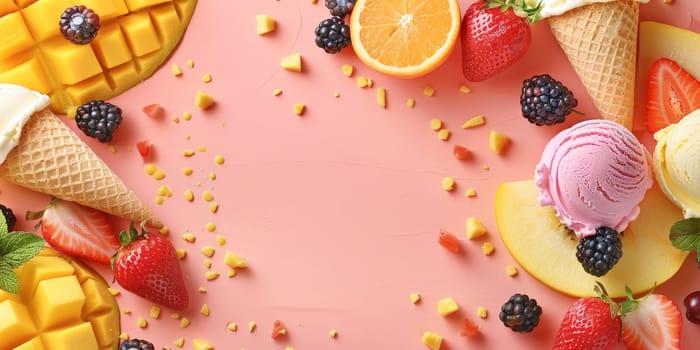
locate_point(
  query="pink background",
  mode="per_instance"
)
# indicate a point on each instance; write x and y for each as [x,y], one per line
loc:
[337,211]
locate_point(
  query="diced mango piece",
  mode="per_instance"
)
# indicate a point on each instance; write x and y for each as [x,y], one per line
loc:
[444,134]
[475,228]
[447,306]
[448,183]
[470,192]
[251,326]
[232,326]
[487,248]
[432,340]
[464,89]
[16,322]
[57,301]
[428,91]
[362,82]
[203,100]
[292,62]
[498,141]
[436,124]
[265,24]
[332,333]
[474,121]
[235,261]
[208,251]
[482,312]
[511,270]
[348,70]
[381,97]
[201,344]
[415,297]
[67,338]
[410,103]
[299,108]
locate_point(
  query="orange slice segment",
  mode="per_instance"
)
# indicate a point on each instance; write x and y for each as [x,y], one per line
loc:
[404,38]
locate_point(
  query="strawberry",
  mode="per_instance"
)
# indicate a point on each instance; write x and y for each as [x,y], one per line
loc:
[589,324]
[144,148]
[147,265]
[77,230]
[672,94]
[653,323]
[494,35]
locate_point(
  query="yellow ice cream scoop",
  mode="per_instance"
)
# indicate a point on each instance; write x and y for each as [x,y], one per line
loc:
[133,39]
[61,304]
[677,163]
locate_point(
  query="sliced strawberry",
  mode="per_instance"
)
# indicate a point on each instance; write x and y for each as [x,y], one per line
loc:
[449,241]
[672,94]
[144,148]
[469,328]
[153,110]
[77,230]
[654,324]
[278,329]
[461,152]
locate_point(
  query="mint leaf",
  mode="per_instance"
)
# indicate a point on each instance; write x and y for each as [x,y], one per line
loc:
[685,234]
[16,248]
[8,279]
[3,225]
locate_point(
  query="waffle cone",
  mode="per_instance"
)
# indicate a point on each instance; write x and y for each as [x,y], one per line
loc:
[50,158]
[600,41]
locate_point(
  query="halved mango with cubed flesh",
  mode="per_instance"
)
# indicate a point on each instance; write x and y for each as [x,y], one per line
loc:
[543,246]
[135,38]
[60,303]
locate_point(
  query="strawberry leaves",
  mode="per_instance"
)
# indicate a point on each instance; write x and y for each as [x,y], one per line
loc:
[685,235]
[16,248]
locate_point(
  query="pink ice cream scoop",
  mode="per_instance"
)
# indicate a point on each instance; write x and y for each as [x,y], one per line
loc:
[594,173]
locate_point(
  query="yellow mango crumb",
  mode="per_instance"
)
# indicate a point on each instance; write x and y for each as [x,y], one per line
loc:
[474,121]
[219,159]
[487,248]
[202,290]
[415,298]
[432,340]
[482,312]
[165,191]
[448,183]
[447,306]
[189,237]
[204,310]
[155,312]
[498,141]
[464,89]
[187,152]
[184,322]
[159,174]
[210,227]
[410,103]
[292,62]
[444,134]
[212,176]
[231,273]
[348,70]
[251,326]
[207,263]
[277,92]
[436,124]
[201,344]
[159,200]
[264,24]
[176,70]
[486,167]
[232,326]
[175,316]
[164,231]
[362,82]
[187,116]
[181,253]
[470,192]
[112,148]
[511,270]
[124,336]
[211,275]
[126,311]
[206,78]
[203,100]
[220,240]
[332,333]
[175,119]
[475,228]
[370,82]
[207,196]
[208,251]
[428,91]
[113,291]
[189,195]
[235,261]
[150,168]
[187,171]
[179,342]
[336,94]
[381,97]
[141,322]
[190,63]
[213,207]
[299,108]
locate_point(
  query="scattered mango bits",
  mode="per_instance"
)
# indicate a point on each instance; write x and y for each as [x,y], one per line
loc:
[474,121]
[190,63]
[487,248]
[189,195]
[141,322]
[211,275]
[292,62]
[470,192]
[187,171]
[181,253]
[203,100]
[332,333]
[464,89]
[179,342]
[201,344]
[220,240]
[447,306]
[475,228]
[210,227]
[299,108]
[207,196]
[410,103]
[219,159]
[206,78]
[204,310]
[415,298]
[448,183]
[436,124]
[432,340]
[184,322]
[265,24]
[511,270]
[277,92]
[362,82]
[189,237]
[251,326]
[235,261]
[498,141]
[232,326]
[187,116]
[176,70]
[213,207]
[348,70]
[155,312]
[428,91]
[208,251]
[482,312]
[444,134]
[381,97]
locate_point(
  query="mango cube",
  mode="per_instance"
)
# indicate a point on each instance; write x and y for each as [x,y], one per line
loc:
[201,344]
[16,323]
[57,301]
[432,340]
[474,121]
[498,141]
[203,100]
[475,228]
[265,24]
[447,306]
[234,261]
[292,62]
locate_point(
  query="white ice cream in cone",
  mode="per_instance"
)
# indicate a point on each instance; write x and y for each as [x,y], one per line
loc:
[38,151]
[599,37]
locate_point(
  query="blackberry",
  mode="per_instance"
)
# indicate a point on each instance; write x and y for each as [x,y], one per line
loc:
[340,8]
[10,219]
[98,119]
[546,101]
[600,252]
[136,344]
[79,24]
[332,35]
[520,313]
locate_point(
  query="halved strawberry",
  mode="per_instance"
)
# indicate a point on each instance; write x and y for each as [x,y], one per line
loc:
[77,230]
[672,94]
[654,324]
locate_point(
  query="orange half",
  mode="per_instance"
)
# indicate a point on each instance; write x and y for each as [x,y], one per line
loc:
[404,38]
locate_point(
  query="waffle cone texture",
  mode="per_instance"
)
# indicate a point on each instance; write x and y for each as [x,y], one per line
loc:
[600,41]
[50,158]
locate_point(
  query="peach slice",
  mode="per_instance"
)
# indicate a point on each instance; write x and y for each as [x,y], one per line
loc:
[543,246]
